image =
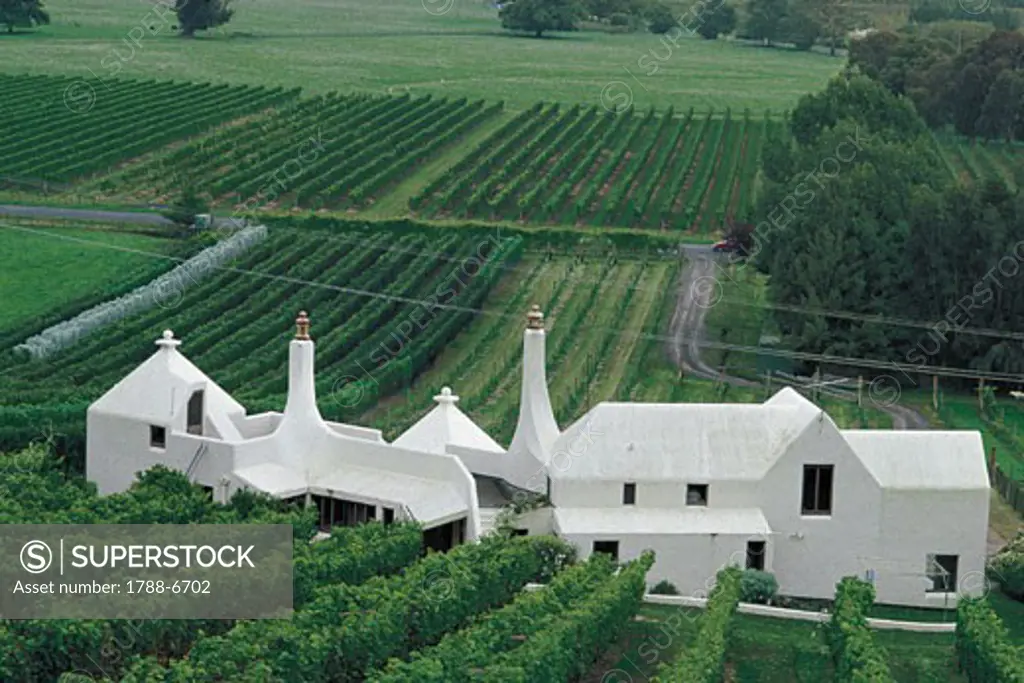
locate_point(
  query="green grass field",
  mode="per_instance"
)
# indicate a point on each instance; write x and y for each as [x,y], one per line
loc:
[44,268]
[398,45]
[767,650]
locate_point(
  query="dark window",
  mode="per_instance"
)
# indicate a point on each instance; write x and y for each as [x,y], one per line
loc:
[157,437]
[195,413]
[697,494]
[334,512]
[209,491]
[607,547]
[817,497]
[755,555]
[520,532]
[389,515]
[942,573]
[629,494]
[445,537]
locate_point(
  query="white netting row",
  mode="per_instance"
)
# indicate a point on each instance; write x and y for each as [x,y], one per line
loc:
[167,291]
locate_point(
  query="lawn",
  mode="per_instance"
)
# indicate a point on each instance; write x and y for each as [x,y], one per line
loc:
[398,46]
[766,650]
[42,269]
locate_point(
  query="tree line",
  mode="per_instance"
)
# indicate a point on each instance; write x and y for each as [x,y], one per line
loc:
[193,15]
[979,90]
[859,215]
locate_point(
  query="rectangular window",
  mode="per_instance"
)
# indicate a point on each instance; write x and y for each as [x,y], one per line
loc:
[208,490]
[157,437]
[520,532]
[942,573]
[607,547]
[629,494]
[817,493]
[755,555]
[389,515]
[697,494]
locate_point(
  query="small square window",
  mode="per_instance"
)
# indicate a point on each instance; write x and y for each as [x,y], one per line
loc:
[608,548]
[629,494]
[157,436]
[942,573]
[389,515]
[697,494]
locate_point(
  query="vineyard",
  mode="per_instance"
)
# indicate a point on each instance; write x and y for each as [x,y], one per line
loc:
[585,166]
[362,289]
[58,129]
[426,607]
[978,161]
[337,152]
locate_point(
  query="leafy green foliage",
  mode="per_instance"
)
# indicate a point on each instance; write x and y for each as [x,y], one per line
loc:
[566,648]
[977,87]
[765,19]
[664,587]
[189,204]
[22,14]
[458,654]
[660,19]
[983,646]
[200,15]
[537,16]
[704,660]
[758,586]
[720,21]
[857,658]
[1008,568]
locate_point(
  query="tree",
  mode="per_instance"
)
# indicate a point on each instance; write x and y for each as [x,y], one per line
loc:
[660,19]
[537,16]
[22,14]
[719,22]
[186,207]
[199,15]
[1004,105]
[800,28]
[764,19]
[833,18]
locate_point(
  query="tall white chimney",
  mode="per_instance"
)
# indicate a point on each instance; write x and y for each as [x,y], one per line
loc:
[536,430]
[301,404]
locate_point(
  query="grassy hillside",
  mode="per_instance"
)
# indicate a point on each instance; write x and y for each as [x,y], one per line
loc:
[453,48]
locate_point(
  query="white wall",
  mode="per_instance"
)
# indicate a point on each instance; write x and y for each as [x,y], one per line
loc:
[118,448]
[690,562]
[916,524]
[831,547]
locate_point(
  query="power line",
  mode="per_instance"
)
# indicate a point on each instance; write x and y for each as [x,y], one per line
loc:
[824,359]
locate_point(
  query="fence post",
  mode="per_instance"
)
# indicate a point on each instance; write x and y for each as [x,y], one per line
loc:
[992,465]
[935,392]
[860,390]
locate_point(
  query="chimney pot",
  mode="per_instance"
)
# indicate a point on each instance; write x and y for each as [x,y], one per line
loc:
[302,327]
[535,319]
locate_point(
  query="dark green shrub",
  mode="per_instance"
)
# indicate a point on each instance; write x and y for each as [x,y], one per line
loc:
[664,587]
[758,587]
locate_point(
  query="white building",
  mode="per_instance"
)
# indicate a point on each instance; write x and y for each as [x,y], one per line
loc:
[775,486]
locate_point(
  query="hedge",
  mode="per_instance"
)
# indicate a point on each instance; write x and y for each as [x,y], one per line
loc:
[983,647]
[704,661]
[857,658]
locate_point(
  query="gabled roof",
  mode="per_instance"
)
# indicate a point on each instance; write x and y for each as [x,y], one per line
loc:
[680,441]
[161,386]
[444,425]
[922,459]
